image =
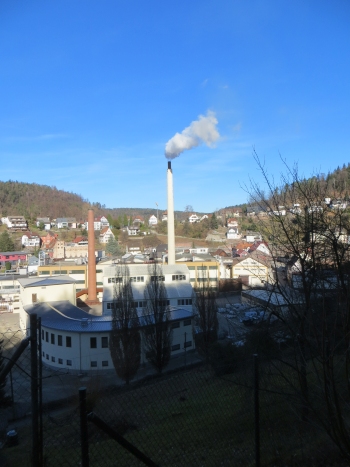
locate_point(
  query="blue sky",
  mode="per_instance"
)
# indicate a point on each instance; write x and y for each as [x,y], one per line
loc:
[91,91]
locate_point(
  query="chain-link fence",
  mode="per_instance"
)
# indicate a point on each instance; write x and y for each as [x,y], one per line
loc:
[232,411]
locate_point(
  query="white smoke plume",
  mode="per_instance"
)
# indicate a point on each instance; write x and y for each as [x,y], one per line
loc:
[200,131]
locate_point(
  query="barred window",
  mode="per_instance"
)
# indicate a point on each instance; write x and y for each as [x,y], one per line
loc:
[137,279]
[115,280]
[104,362]
[93,364]
[179,277]
[157,278]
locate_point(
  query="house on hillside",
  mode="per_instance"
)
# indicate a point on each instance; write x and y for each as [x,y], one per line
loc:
[99,223]
[49,239]
[66,223]
[44,220]
[252,237]
[31,240]
[232,233]
[193,218]
[106,234]
[254,270]
[15,223]
[165,216]
[237,212]
[152,220]
[260,247]
[133,230]
[231,222]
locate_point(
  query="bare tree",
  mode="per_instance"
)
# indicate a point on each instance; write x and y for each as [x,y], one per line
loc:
[205,309]
[312,240]
[125,339]
[157,331]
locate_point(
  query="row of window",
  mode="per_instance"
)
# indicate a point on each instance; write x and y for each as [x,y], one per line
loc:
[185,301]
[202,268]
[178,346]
[135,304]
[178,277]
[187,322]
[175,277]
[93,363]
[50,337]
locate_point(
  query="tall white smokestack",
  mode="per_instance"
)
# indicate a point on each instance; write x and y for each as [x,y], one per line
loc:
[171,227]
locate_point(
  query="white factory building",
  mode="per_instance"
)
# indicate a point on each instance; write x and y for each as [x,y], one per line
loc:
[76,341]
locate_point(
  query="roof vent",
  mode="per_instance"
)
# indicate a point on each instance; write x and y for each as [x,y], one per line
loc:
[84,322]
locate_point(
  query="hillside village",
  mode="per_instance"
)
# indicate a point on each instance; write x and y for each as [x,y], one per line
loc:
[248,275]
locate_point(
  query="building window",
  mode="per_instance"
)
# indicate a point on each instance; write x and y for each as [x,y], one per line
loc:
[93,342]
[53,359]
[60,361]
[187,344]
[114,280]
[104,342]
[157,278]
[202,268]
[34,298]
[69,362]
[47,357]
[163,302]
[93,364]
[47,336]
[185,301]
[178,277]
[137,279]
[187,322]
[175,325]
[42,335]
[175,347]
[53,339]
[104,362]
[68,342]
[43,354]
[59,340]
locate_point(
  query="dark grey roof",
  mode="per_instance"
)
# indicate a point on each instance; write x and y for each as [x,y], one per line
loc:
[63,316]
[45,281]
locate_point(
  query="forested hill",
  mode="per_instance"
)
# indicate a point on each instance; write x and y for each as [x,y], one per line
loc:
[32,200]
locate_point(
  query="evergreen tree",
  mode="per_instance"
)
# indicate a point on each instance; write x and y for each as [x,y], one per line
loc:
[112,247]
[6,242]
[213,222]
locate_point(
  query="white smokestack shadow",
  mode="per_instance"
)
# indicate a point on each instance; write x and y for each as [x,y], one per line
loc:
[200,131]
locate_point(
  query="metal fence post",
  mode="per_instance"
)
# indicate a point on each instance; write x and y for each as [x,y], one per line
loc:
[256,411]
[83,428]
[34,390]
[40,393]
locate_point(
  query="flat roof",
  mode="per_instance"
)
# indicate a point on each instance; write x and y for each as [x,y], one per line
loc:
[45,281]
[182,290]
[63,316]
